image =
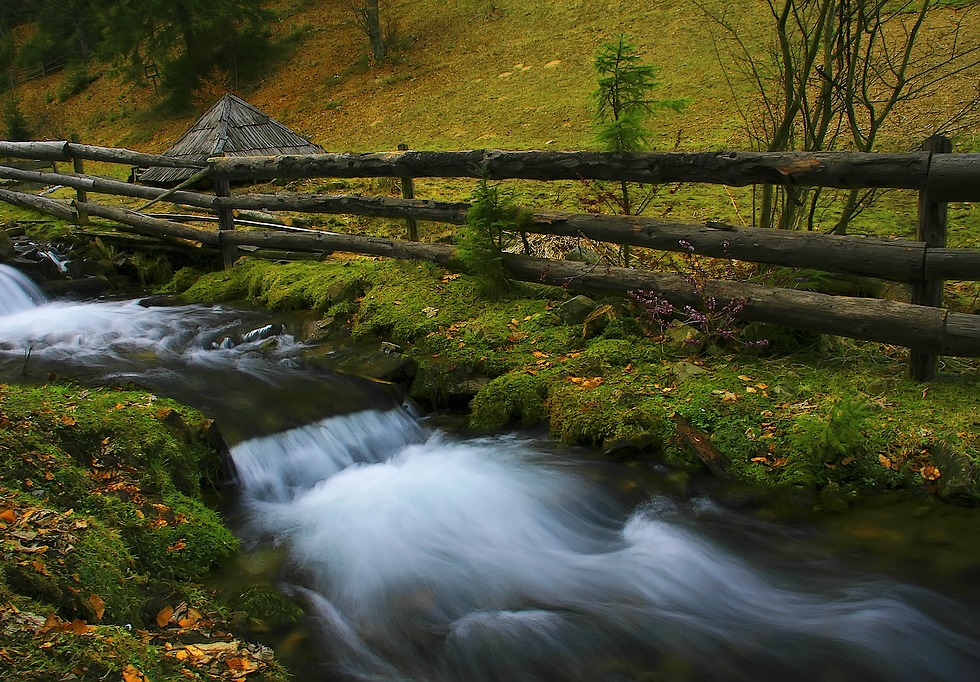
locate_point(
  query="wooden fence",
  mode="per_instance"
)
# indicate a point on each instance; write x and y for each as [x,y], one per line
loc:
[923,325]
[41,69]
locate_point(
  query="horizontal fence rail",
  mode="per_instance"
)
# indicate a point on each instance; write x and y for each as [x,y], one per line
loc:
[947,177]
[923,326]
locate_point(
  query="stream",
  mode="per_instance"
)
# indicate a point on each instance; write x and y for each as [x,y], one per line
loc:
[423,555]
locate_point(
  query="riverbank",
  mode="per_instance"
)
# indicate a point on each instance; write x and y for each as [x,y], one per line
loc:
[106,538]
[823,418]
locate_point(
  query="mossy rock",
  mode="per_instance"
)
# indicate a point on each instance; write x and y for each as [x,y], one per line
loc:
[514,398]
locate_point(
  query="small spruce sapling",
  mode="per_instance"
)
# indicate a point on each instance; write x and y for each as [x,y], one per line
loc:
[492,224]
[623,103]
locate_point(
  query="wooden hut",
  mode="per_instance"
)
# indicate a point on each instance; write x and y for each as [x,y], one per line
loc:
[232,127]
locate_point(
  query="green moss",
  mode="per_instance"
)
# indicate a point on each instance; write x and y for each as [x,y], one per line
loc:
[131,468]
[514,398]
[289,286]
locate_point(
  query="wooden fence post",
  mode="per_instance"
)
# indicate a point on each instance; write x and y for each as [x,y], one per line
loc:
[408,192]
[82,196]
[932,231]
[226,221]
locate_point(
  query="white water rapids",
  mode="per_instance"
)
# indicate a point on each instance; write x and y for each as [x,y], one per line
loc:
[422,556]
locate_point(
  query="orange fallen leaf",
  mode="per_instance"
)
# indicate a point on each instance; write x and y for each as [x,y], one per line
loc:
[177,546]
[78,627]
[164,616]
[97,604]
[133,674]
[930,472]
[240,664]
[191,619]
[885,462]
[8,515]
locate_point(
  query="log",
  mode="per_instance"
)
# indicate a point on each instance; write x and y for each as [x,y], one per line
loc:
[954,264]
[824,169]
[382,207]
[931,329]
[889,322]
[151,227]
[93,183]
[329,241]
[44,150]
[55,207]
[954,177]
[891,259]
[699,443]
[62,150]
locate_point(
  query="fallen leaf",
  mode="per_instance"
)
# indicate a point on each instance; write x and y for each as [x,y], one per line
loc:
[191,619]
[164,616]
[930,472]
[133,674]
[97,604]
[240,664]
[885,462]
[9,515]
[744,377]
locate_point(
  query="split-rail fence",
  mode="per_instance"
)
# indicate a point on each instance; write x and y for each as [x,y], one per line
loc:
[923,325]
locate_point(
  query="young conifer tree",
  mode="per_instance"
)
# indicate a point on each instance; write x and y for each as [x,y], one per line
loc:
[623,102]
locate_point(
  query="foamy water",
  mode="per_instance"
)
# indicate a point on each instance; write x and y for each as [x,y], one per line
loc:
[429,558]
[246,373]
[17,291]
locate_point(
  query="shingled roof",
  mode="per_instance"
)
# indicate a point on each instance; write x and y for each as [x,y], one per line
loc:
[232,127]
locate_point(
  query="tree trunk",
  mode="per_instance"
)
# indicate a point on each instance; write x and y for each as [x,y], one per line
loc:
[372,20]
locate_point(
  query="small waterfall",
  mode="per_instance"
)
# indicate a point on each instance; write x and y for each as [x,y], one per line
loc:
[17,291]
[429,558]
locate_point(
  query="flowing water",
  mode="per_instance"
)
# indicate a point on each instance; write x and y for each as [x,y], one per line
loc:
[424,556]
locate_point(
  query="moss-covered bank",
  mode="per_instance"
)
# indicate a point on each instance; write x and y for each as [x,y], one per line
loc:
[823,415]
[104,536]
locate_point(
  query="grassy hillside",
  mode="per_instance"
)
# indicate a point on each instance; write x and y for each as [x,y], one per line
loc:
[489,73]
[466,73]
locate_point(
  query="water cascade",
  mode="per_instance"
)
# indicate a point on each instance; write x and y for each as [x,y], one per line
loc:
[421,556]
[429,558]
[17,291]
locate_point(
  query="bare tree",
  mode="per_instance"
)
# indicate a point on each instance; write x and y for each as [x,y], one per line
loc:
[367,14]
[836,73]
